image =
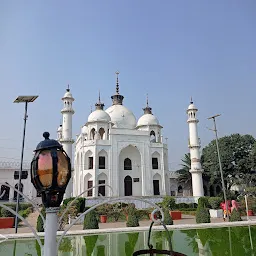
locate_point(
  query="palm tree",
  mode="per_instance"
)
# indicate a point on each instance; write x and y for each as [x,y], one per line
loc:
[184,174]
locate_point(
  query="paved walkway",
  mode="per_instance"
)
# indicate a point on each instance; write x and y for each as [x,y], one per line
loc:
[186,219]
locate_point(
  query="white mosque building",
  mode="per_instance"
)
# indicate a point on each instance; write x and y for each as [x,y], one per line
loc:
[128,155]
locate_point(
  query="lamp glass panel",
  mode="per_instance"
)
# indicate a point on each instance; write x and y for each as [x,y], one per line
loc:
[45,168]
[62,169]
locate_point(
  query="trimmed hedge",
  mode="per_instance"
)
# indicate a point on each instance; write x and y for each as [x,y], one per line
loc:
[39,223]
[91,220]
[132,220]
[235,216]
[167,217]
[203,216]
[203,202]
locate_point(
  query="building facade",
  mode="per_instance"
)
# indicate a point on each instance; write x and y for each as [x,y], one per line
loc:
[116,150]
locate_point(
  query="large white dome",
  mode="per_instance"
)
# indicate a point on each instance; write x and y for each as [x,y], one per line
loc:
[148,119]
[99,116]
[121,117]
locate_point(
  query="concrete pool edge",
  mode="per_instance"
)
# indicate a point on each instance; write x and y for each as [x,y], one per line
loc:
[135,229]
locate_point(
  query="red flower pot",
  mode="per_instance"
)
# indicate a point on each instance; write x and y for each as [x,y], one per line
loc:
[176,215]
[155,216]
[250,213]
[6,222]
[103,218]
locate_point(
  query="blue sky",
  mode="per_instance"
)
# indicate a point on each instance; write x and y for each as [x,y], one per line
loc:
[169,49]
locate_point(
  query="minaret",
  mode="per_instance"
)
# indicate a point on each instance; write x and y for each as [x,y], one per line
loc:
[67,139]
[194,146]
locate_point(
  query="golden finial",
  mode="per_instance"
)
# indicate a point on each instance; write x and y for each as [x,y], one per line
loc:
[191,100]
[147,99]
[117,83]
[68,88]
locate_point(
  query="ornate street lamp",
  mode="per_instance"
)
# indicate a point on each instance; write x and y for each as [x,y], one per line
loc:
[50,174]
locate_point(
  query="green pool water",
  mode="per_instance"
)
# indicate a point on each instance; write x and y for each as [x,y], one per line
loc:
[233,241]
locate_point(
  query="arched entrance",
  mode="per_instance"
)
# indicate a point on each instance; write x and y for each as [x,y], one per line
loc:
[5,191]
[128,186]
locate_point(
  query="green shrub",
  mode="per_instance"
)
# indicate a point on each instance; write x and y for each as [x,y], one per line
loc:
[215,202]
[203,202]
[79,203]
[251,190]
[182,206]
[202,215]
[91,220]
[132,220]
[235,216]
[6,213]
[142,214]
[189,212]
[67,200]
[40,223]
[187,209]
[167,217]
[169,202]
[24,206]
[24,213]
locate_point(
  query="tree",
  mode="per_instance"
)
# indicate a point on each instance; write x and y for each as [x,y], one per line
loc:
[184,174]
[236,158]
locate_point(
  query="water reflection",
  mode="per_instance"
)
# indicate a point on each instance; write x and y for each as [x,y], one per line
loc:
[203,242]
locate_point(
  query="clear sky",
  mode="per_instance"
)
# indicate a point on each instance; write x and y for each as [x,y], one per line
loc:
[171,50]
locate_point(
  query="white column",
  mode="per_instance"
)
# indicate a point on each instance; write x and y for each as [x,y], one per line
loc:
[51,227]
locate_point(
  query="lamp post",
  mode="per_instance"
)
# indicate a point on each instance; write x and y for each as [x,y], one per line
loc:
[50,174]
[26,100]
[220,165]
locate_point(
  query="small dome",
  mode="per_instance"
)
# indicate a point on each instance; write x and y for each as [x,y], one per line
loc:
[192,106]
[148,119]
[121,117]
[99,115]
[84,130]
[68,94]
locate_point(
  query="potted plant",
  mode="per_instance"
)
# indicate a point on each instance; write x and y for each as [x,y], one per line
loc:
[103,211]
[169,203]
[7,219]
[215,211]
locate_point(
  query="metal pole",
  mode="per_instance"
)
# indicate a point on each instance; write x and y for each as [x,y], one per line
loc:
[21,165]
[246,206]
[221,171]
[51,227]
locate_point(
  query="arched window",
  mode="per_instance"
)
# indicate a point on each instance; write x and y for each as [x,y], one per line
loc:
[127,164]
[92,134]
[15,192]
[180,189]
[152,136]
[101,132]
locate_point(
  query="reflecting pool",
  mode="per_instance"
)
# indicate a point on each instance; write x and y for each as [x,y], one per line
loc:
[233,241]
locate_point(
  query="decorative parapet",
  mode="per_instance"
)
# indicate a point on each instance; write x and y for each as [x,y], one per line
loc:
[70,140]
[66,110]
